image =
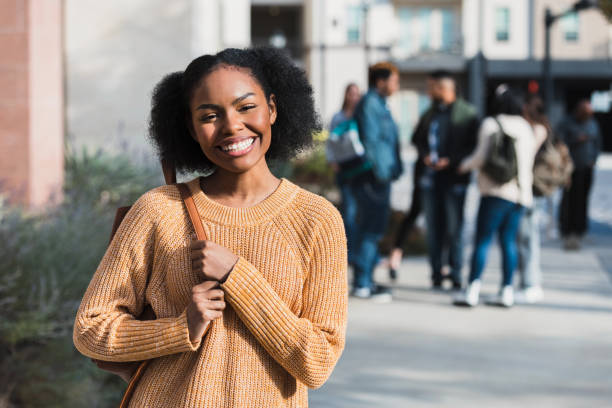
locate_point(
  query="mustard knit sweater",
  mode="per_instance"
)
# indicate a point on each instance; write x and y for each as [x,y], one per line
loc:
[284,326]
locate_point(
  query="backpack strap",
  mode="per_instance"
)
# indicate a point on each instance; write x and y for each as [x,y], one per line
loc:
[170,176]
[192,210]
[169,171]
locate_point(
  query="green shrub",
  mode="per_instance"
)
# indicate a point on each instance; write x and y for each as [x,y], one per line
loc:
[46,263]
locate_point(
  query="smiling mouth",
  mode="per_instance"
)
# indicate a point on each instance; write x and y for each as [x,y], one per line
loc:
[238,148]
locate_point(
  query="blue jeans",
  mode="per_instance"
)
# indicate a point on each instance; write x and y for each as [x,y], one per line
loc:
[443,203]
[529,247]
[503,217]
[373,211]
[348,209]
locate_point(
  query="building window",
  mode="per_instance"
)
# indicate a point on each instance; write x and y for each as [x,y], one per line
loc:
[502,24]
[354,24]
[448,29]
[569,25]
[405,29]
[426,29]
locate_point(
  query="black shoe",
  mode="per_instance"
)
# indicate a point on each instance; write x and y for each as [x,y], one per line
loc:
[456,285]
[436,284]
[392,274]
[381,294]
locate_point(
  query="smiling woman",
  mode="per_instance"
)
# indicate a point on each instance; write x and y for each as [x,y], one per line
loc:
[254,315]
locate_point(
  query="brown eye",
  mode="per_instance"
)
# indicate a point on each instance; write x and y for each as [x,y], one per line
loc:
[208,118]
[247,107]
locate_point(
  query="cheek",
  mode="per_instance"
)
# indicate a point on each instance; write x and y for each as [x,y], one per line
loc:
[205,134]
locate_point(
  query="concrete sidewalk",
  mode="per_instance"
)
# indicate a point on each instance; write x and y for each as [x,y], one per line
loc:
[420,351]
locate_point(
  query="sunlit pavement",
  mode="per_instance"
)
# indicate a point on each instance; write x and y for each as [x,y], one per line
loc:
[420,351]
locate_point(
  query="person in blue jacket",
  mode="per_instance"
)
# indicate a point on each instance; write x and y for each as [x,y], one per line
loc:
[372,186]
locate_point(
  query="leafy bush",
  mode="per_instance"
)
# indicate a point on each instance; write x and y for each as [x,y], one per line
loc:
[46,263]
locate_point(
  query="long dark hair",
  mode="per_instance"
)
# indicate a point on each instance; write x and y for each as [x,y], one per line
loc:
[170,120]
[346,92]
[508,101]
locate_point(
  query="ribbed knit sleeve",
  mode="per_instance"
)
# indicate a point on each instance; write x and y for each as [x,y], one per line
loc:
[307,346]
[105,326]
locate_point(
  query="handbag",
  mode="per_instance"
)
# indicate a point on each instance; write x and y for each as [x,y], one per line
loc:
[148,314]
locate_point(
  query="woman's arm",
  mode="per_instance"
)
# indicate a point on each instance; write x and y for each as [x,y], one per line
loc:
[106,327]
[307,346]
[477,158]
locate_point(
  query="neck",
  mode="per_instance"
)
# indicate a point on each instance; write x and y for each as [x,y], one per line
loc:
[348,112]
[241,189]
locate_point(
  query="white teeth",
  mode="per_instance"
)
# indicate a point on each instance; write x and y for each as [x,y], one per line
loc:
[236,147]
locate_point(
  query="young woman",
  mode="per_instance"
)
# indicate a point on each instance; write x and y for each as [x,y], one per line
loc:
[348,208]
[257,313]
[529,269]
[501,206]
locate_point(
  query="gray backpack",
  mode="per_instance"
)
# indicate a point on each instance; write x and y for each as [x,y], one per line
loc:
[501,164]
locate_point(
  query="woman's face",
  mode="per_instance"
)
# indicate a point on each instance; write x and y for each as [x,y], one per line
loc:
[231,119]
[352,96]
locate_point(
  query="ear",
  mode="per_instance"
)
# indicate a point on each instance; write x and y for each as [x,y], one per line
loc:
[272,108]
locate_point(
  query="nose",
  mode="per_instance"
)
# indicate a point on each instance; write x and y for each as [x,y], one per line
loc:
[232,123]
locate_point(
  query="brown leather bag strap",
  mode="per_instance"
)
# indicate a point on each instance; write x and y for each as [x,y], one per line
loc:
[169,171]
[196,221]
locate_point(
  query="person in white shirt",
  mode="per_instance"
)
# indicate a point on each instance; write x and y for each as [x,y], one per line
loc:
[501,205]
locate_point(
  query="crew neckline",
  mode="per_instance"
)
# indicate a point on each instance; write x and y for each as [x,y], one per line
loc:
[222,214]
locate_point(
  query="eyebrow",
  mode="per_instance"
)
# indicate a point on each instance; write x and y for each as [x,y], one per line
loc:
[234,102]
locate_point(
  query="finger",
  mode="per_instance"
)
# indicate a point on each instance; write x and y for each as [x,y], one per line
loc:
[197,253]
[215,294]
[214,305]
[208,285]
[213,314]
[197,244]
[202,289]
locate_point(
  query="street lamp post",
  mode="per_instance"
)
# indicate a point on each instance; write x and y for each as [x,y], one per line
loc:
[549,20]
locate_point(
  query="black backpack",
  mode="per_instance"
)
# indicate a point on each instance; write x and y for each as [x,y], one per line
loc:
[501,164]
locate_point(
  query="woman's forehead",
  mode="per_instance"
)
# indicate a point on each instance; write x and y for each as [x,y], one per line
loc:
[227,81]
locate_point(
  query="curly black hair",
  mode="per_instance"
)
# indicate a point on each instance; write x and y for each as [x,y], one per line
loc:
[292,131]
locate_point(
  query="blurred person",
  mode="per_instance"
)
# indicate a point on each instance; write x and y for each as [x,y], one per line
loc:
[276,254]
[445,135]
[581,133]
[379,135]
[550,172]
[501,205]
[407,225]
[345,154]
[530,272]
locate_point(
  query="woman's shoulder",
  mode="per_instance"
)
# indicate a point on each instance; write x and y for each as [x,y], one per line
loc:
[157,199]
[513,125]
[315,208]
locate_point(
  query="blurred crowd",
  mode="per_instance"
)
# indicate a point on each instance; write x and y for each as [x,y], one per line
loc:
[520,159]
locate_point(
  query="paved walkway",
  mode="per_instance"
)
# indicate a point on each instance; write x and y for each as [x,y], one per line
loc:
[420,351]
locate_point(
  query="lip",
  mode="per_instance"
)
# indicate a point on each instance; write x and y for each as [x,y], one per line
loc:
[232,140]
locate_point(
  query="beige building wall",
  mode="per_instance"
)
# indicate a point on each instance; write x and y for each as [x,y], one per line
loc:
[593,37]
[31,102]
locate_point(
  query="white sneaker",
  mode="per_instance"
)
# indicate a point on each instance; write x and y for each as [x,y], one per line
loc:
[470,296]
[530,295]
[362,293]
[504,298]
